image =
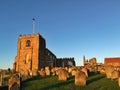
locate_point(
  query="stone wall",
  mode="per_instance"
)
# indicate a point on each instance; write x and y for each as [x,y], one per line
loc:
[65,62]
[50,58]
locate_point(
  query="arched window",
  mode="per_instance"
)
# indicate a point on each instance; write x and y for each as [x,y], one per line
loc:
[27,43]
[27,58]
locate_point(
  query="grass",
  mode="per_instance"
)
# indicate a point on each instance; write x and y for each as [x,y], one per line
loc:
[94,82]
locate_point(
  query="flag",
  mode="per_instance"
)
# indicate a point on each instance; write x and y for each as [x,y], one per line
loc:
[33,19]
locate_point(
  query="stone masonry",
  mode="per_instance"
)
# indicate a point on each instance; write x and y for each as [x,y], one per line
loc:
[30,53]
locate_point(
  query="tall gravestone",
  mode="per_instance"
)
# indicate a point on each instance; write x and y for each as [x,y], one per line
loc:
[14,83]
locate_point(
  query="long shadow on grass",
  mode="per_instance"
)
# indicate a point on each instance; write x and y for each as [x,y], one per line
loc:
[36,78]
[59,84]
[33,79]
[95,78]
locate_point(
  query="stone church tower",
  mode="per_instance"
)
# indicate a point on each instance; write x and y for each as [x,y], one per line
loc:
[30,53]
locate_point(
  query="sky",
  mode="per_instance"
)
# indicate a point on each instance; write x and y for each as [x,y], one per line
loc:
[72,28]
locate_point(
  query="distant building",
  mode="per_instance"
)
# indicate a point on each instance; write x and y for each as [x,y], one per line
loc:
[65,62]
[112,61]
[90,62]
[32,54]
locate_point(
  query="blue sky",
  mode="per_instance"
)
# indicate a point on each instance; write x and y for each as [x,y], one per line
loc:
[72,28]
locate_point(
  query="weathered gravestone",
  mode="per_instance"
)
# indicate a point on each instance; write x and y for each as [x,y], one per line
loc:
[47,71]
[115,75]
[14,83]
[42,72]
[109,69]
[80,78]
[63,74]
[119,81]
[0,79]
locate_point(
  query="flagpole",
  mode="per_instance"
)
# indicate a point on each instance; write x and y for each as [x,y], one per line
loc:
[33,22]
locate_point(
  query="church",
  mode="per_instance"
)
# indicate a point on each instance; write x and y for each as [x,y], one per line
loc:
[32,54]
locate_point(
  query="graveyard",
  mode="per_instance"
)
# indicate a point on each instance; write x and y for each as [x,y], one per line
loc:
[94,81]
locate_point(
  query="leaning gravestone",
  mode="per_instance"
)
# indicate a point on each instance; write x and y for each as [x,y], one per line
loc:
[14,83]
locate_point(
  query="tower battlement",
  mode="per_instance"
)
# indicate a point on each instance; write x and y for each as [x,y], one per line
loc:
[30,35]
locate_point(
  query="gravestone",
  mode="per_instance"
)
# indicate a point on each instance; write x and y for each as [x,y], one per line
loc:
[14,83]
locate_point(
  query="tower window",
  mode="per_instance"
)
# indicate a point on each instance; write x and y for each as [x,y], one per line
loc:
[27,43]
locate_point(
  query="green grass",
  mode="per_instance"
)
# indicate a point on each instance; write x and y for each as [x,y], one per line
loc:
[4,88]
[94,82]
